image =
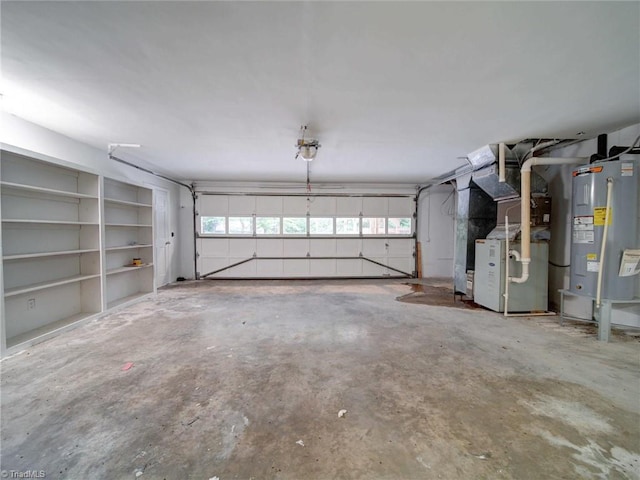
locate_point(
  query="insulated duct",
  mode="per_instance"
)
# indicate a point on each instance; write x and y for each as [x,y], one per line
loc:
[477,192]
[488,179]
[475,218]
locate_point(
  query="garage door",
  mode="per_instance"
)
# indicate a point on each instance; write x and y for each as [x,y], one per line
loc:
[292,236]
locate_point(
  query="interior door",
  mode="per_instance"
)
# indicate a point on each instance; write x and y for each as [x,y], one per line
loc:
[162,241]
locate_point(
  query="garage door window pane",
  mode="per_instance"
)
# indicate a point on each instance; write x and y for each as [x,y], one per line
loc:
[373,226]
[240,225]
[212,225]
[294,225]
[399,226]
[348,226]
[268,225]
[321,226]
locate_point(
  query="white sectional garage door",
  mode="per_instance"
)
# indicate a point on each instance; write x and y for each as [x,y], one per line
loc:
[293,236]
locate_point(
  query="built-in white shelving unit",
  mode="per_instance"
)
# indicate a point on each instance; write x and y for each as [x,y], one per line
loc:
[69,239]
[50,247]
[128,217]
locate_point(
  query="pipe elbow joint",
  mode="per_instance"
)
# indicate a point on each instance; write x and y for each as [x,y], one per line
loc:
[525,272]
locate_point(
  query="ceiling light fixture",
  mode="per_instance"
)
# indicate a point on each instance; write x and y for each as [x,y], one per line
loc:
[307,148]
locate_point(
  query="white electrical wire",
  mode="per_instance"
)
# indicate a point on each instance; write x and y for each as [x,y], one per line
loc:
[633,145]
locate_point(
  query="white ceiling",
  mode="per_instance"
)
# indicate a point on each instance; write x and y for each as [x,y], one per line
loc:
[395,92]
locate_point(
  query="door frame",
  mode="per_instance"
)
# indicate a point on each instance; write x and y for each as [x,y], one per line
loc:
[167,277]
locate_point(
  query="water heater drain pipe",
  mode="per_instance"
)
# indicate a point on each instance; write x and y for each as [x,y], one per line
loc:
[506,265]
[525,207]
[603,248]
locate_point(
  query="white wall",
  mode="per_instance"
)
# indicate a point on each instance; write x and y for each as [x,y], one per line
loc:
[559,178]
[436,230]
[19,133]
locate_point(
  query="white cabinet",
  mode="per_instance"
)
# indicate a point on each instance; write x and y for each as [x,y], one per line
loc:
[128,219]
[50,247]
[69,240]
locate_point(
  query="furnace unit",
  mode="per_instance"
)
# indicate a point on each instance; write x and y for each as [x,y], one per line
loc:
[491,259]
[490,276]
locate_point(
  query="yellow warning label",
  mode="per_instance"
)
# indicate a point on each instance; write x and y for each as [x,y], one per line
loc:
[599,214]
[592,256]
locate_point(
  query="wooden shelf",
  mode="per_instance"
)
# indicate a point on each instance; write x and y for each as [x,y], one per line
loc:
[127,225]
[48,191]
[128,247]
[10,292]
[32,335]
[47,222]
[47,254]
[131,268]
[114,201]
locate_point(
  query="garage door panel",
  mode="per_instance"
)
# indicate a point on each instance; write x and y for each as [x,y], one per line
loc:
[401,246]
[347,247]
[322,247]
[211,264]
[242,247]
[401,206]
[321,206]
[269,205]
[322,268]
[213,205]
[296,268]
[348,206]
[375,206]
[373,270]
[294,247]
[269,247]
[374,246]
[269,268]
[247,269]
[214,247]
[294,206]
[349,268]
[405,264]
[223,250]
[242,205]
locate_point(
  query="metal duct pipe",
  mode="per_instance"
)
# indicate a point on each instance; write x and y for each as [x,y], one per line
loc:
[525,207]
[602,145]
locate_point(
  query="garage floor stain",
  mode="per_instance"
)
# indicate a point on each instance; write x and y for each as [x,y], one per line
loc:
[436,293]
[227,377]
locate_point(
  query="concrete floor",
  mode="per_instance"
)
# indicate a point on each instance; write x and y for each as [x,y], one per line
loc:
[230,379]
